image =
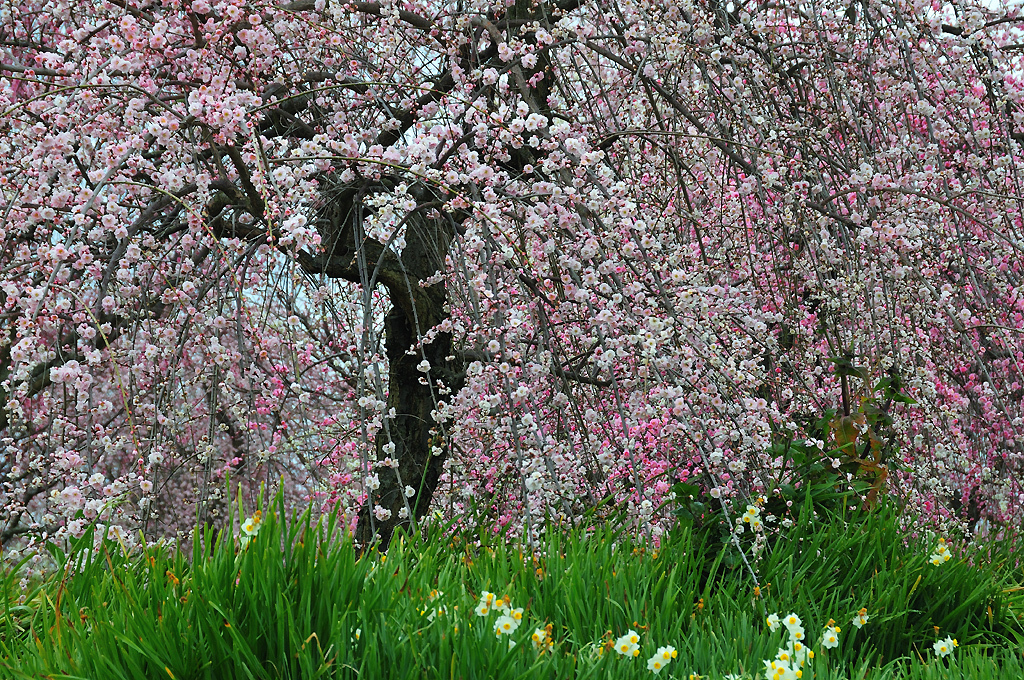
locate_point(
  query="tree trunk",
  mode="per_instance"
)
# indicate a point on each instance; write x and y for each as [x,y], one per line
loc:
[413,431]
[412,393]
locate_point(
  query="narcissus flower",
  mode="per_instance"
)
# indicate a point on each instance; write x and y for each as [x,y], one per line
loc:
[800,652]
[541,638]
[486,603]
[505,625]
[780,670]
[504,605]
[628,644]
[788,663]
[945,647]
[251,525]
[941,554]
[861,618]
[432,612]
[655,664]
[830,640]
[661,658]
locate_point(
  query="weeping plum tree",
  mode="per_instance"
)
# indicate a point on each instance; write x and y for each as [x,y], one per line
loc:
[530,256]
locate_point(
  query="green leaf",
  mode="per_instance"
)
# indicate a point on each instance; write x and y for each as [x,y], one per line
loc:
[845,366]
[684,490]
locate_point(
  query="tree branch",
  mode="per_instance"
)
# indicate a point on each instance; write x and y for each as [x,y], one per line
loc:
[372,8]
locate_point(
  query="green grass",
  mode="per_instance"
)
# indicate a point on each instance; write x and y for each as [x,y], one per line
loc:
[289,604]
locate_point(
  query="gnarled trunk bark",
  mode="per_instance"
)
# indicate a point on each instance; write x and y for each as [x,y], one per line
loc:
[412,393]
[413,431]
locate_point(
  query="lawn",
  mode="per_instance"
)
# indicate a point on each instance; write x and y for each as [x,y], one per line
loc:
[295,600]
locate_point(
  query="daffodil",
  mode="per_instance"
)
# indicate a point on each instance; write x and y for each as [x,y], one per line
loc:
[830,640]
[941,554]
[251,525]
[486,603]
[431,614]
[541,639]
[660,659]
[505,625]
[800,652]
[789,662]
[509,620]
[776,670]
[504,605]
[945,647]
[861,618]
[628,644]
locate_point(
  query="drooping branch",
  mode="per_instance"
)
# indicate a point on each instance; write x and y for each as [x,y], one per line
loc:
[371,8]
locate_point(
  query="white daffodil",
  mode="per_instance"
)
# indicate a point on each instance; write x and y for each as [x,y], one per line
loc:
[789,662]
[486,603]
[628,644]
[251,525]
[655,664]
[830,639]
[941,554]
[661,659]
[505,625]
[800,652]
[945,647]
[861,618]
